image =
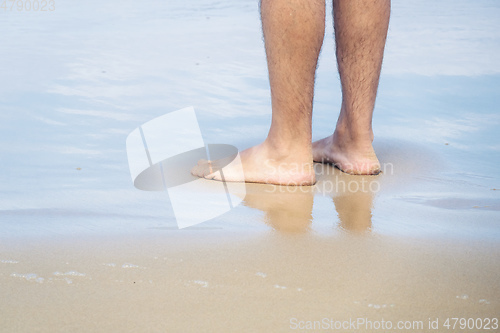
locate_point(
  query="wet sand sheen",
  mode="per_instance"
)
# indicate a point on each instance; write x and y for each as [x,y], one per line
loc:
[317,252]
[191,282]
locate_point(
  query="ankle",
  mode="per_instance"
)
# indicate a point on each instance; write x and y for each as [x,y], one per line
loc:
[353,137]
[288,149]
[353,129]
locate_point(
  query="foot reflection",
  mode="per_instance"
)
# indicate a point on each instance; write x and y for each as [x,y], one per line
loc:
[289,208]
[354,211]
[352,196]
[286,208]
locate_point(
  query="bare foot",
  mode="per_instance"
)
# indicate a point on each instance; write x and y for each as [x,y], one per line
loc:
[261,164]
[355,158]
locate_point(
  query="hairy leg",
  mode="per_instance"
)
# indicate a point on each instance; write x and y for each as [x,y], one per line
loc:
[360,33]
[293,35]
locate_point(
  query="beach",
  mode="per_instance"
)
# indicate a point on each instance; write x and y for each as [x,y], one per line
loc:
[82,249]
[201,281]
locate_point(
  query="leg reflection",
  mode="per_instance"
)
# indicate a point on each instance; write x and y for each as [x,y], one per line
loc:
[286,208]
[352,196]
[289,208]
[354,211]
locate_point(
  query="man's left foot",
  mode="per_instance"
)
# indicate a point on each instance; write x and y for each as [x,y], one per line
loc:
[352,157]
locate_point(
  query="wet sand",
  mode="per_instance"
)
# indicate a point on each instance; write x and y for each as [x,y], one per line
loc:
[208,282]
[286,258]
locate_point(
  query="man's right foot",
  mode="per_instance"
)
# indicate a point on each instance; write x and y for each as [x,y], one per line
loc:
[352,157]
